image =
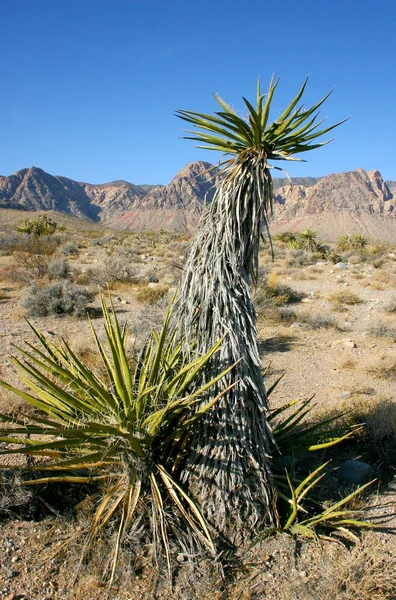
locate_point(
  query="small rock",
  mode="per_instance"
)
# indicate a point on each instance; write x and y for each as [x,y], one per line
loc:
[152,279]
[117,299]
[12,573]
[295,325]
[349,344]
[354,472]
[152,284]
[392,256]
[306,300]
[340,266]
[343,395]
[15,559]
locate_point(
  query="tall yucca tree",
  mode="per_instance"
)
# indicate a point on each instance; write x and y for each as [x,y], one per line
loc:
[230,464]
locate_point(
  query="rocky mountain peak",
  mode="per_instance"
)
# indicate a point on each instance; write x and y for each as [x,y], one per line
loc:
[358,195]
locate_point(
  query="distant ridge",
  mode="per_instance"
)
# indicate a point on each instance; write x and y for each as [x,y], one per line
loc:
[334,204]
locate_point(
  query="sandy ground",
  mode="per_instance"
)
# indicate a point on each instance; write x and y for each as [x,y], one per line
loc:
[340,365]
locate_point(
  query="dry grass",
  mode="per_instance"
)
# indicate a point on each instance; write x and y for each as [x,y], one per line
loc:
[383,279]
[348,364]
[367,572]
[151,295]
[317,320]
[391,306]
[377,437]
[385,369]
[344,297]
[383,329]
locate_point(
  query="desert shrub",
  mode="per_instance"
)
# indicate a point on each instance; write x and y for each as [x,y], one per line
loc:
[382,329]
[69,249]
[30,266]
[318,320]
[271,301]
[58,299]
[278,295]
[344,297]
[32,257]
[149,317]
[58,269]
[377,438]
[119,266]
[287,314]
[9,241]
[12,494]
[382,280]
[355,259]
[384,370]
[151,295]
[391,306]
[298,258]
[334,257]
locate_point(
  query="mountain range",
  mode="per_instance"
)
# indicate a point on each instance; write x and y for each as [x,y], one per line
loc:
[356,201]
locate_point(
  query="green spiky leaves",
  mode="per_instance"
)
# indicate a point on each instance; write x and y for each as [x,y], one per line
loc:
[127,428]
[292,133]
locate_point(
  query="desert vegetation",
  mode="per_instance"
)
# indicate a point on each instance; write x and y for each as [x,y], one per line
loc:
[145,464]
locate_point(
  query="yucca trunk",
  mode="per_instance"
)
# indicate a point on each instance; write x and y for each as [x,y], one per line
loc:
[229,467]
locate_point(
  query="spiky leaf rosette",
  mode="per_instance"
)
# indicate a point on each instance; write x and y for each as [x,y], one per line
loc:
[230,458]
[128,430]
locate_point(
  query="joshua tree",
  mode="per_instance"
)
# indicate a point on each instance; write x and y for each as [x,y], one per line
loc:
[229,469]
[39,227]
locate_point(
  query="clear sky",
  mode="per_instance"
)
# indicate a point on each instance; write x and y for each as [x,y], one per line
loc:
[88,87]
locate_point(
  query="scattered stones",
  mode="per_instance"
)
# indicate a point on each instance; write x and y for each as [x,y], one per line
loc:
[354,472]
[340,266]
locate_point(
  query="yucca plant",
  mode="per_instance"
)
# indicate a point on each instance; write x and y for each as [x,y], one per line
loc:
[300,509]
[355,241]
[230,457]
[285,237]
[128,432]
[307,240]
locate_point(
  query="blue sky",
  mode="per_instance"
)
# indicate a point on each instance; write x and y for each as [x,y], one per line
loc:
[89,86]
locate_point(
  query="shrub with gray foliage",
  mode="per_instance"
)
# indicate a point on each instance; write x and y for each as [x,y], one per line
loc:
[58,299]
[59,269]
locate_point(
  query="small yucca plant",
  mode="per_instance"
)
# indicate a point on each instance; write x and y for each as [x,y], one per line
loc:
[128,431]
[300,510]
